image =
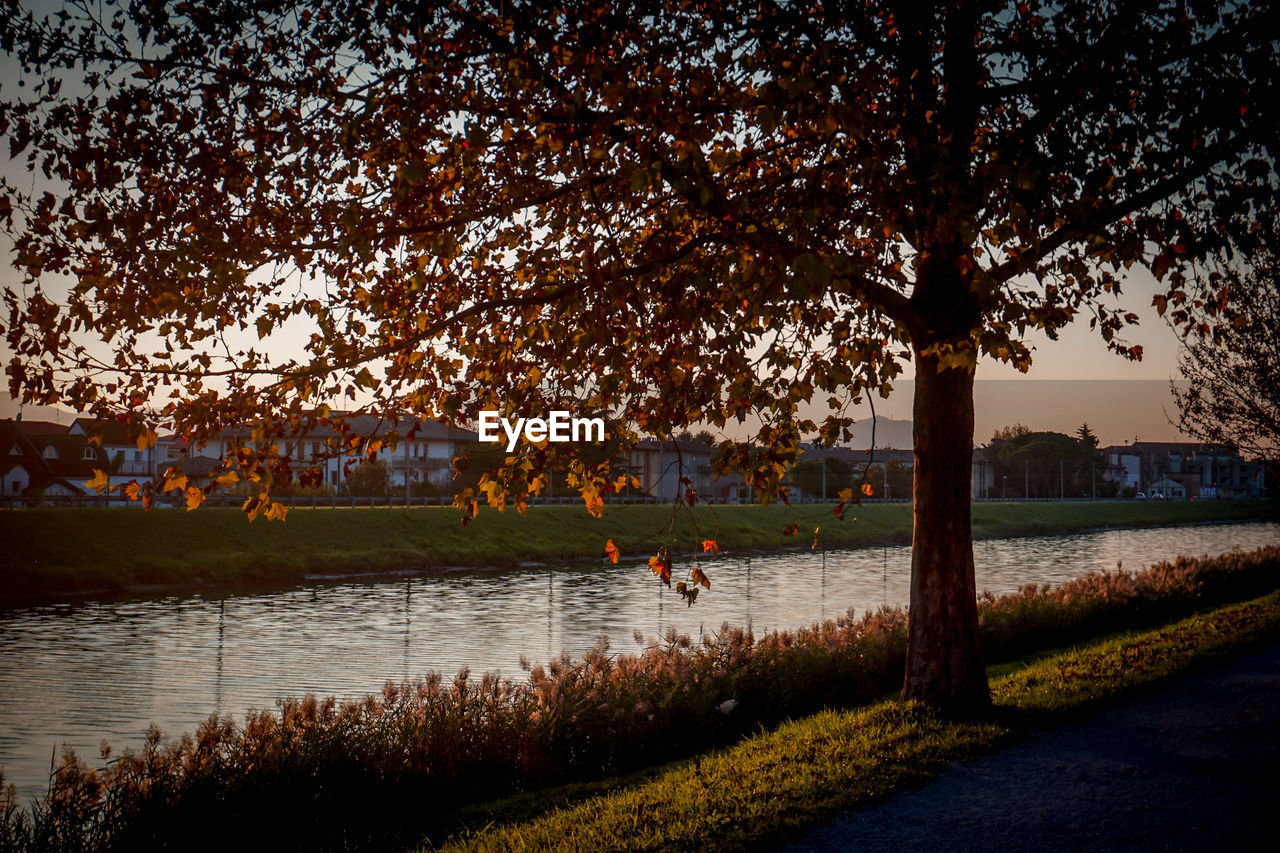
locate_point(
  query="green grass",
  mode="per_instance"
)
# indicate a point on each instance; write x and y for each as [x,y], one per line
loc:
[773,784]
[55,551]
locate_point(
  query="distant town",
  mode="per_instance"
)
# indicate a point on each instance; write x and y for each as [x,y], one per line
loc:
[44,462]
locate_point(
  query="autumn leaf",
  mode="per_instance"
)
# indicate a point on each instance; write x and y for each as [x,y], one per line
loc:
[100,483]
[228,480]
[700,577]
[276,511]
[661,566]
[470,511]
[147,439]
[252,507]
[611,550]
[868,489]
[845,495]
[195,497]
[710,546]
[132,490]
[174,480]
[791,529]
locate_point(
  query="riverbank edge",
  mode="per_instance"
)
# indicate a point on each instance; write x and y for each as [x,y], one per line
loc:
[773,785]
[61,554]
[404,779]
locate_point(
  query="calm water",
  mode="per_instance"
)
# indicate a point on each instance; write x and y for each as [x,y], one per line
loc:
[77,674]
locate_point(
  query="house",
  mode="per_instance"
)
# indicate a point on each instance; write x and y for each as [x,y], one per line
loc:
[423,454]
[1167,488]
[1202,471]
[662,466]
[122,459]
[1124,468]
[860,460]
[42,460]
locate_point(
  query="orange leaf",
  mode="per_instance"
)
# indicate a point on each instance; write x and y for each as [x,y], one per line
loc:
[100,482]
[868,489]
[791,529]
[710,545]
[611,550]
[195,497]
[661,566]
[253,506]
[174,480]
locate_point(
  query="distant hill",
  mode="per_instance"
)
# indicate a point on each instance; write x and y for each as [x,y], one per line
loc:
[890,434]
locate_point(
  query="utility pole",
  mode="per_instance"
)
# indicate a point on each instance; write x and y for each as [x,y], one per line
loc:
[1026,480]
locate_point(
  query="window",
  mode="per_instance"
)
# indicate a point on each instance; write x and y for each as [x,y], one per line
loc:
[89,454]
[51,452]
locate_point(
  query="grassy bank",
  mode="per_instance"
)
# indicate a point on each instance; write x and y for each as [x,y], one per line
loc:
[418,759]
[806,770]
[59,551]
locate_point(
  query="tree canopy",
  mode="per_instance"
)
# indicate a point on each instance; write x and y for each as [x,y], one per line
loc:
[1029,464]
[678,214]
[1231,361]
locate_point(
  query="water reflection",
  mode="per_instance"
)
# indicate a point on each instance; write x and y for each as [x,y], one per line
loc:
[79,674]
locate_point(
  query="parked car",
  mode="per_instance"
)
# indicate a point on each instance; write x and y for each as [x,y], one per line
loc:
[1139,497]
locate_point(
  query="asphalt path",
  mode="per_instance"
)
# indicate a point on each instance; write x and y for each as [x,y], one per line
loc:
[1193,766]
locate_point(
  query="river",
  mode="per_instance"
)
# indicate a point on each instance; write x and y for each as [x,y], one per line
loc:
[79,673]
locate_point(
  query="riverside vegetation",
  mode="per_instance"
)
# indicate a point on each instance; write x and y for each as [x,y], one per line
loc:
[422,758]
[66,551]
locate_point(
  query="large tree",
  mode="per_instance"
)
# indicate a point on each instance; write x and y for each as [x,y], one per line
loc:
[673,213]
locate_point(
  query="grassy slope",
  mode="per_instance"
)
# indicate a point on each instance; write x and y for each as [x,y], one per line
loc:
[806,770]
[62,550]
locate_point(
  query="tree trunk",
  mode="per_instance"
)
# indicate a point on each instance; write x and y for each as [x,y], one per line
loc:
[944,666]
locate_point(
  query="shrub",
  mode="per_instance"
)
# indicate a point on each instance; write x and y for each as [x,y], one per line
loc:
[322,774]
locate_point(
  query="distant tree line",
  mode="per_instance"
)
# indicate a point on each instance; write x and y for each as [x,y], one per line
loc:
[1030,464]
